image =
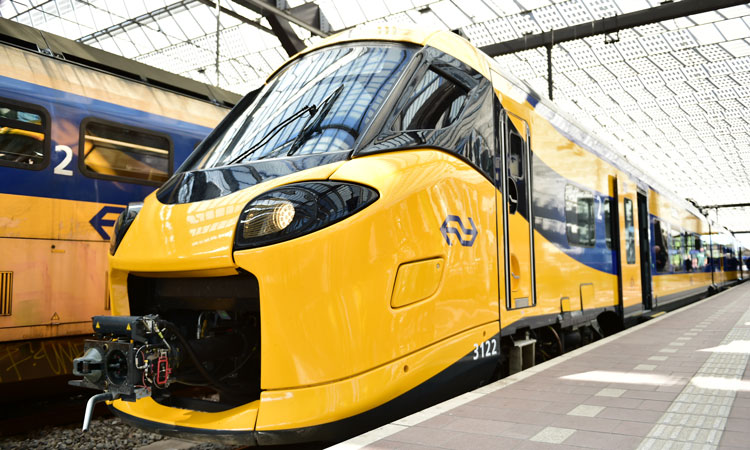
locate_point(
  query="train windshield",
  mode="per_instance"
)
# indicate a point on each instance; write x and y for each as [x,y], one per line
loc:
[321,103]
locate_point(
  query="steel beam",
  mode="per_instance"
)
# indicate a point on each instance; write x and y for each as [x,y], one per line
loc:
[728,205]
[268,10]
[237,16]
[612,24]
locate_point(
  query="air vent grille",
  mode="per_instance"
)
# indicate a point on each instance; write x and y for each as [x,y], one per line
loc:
[6,293]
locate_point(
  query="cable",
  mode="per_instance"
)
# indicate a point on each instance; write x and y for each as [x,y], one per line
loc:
[202,370]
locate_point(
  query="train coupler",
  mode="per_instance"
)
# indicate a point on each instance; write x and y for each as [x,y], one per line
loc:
[132,357]
[136,355]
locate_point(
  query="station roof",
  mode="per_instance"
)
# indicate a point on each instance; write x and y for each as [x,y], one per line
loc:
[672,96]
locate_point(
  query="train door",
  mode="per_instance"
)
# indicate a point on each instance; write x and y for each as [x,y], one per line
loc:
[644,251]
[614,226]
[517,212]
[623,235]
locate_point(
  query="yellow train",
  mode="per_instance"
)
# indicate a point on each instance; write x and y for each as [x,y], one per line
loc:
[379,228]
[77,144]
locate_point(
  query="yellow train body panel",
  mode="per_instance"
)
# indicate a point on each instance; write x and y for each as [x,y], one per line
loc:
[354,299]
[28,217]
[561,277]
[315,405]
[671,284]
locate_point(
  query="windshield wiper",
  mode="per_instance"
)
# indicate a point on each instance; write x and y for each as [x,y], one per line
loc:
[312,109]
[315,120]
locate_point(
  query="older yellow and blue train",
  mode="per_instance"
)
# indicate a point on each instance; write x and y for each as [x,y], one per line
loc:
[374,231]
[80,137]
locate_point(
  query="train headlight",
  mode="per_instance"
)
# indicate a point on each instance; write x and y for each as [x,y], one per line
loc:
[123,223]
[297,209]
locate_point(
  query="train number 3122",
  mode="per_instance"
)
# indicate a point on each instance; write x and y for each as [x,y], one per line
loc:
[485,349]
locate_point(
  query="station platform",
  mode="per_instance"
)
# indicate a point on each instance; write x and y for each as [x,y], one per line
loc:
[678,381]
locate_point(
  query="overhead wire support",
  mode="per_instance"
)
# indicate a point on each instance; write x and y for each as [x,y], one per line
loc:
[218,38]
[729,205]
[613,24]
[268,9]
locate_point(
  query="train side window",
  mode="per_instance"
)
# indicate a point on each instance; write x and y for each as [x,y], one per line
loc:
[579,217]
[114,151]
[661,247]
[515,157]
[629,231]
[436,103]
[698,254]
[24,136]
[677,253]
[607,223]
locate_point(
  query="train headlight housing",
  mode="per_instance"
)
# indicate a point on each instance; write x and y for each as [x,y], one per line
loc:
[297,209]
[122,224]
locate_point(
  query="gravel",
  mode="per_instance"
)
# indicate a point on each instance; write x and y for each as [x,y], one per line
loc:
[103,434]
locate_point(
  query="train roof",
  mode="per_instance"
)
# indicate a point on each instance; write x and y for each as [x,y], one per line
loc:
[31,39]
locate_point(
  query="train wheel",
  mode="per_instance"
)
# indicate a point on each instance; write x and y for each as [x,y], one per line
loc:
[548,344]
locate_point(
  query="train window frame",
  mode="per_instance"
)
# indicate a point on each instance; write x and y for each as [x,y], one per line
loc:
[662,234]
[581,193]
[516,168]
[630,250]
[478,151]
[92,174]
[397,125]
[607,210]
[46,128]
[677,249]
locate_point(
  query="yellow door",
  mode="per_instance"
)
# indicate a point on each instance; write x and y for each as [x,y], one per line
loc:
[625,238]
[517,212]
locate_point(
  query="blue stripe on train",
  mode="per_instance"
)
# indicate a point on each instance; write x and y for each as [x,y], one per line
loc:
[550,221]
[67,111]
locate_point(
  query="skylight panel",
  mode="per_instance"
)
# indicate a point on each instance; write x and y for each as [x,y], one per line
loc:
[643,65]
[478,35]
[397,6]
[549,18]
[733,29]
[630,49]
[562,61]
[575,12]
[449,14]
[477,11]
[501,7]
[500,29]
[654,44]
[350,12]
[713,52]
[600,9]
[680,39]
[738,48]
[706,34]
[373,9]
[524,24]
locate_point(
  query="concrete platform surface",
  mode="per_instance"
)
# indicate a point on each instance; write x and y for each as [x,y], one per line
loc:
[679,381]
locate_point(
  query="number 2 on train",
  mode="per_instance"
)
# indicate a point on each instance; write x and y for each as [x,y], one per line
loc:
[485,349]
[61,169]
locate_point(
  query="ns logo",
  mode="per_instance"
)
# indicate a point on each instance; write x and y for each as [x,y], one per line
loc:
[453,225]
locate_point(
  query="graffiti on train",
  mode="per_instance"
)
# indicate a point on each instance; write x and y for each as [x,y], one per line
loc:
[21,361]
